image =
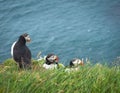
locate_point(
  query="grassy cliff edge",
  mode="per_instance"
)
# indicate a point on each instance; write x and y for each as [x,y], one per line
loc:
[89,78]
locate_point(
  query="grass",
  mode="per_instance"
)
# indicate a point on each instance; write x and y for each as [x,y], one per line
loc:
[90,78]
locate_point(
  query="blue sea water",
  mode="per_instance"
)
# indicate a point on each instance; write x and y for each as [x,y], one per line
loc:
[68,28]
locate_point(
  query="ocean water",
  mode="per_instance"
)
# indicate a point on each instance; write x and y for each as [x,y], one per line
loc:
[68,28]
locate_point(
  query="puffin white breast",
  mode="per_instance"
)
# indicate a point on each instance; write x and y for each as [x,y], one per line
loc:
[12,48]
[51,66]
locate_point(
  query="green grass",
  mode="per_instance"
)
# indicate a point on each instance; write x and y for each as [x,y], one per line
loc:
[88,79]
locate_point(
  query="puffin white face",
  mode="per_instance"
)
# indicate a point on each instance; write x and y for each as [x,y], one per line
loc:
[77,62]
[27,38]
[53,58]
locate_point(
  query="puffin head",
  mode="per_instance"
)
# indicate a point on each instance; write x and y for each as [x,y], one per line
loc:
[52,58]
[26,36]
[76,62]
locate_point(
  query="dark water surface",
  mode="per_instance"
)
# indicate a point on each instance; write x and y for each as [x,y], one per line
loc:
[68,28]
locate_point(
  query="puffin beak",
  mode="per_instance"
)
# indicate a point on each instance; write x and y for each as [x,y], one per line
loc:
[82,63]
[56,59]
[29,40]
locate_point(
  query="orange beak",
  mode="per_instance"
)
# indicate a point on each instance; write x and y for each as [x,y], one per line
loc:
[56,59]
[82,63]
[28,40]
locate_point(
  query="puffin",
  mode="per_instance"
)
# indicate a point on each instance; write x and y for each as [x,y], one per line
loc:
[74,65]
[51,61]
[76,62]
[20,52]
